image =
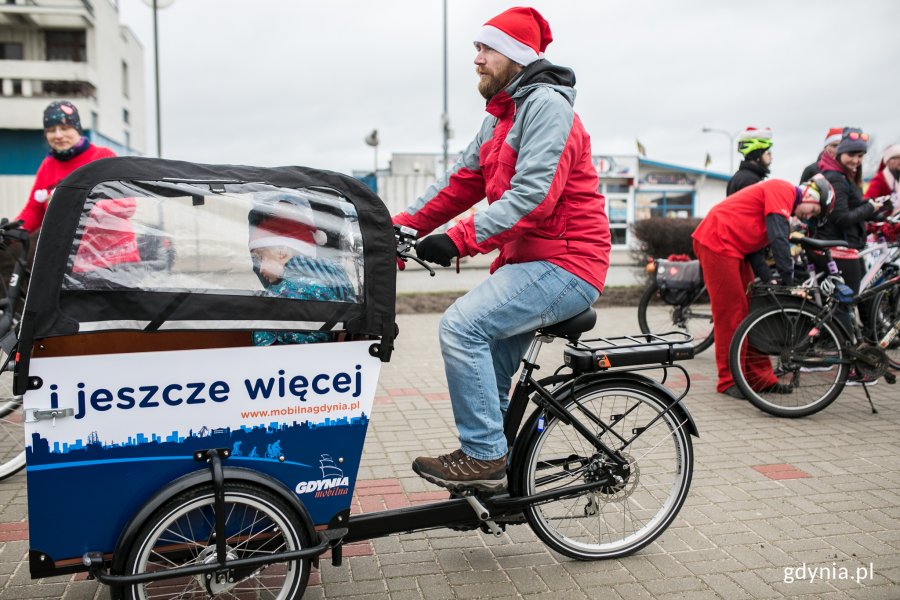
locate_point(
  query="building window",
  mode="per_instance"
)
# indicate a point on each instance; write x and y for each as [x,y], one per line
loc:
[94,119]
[17,87]
[673,204]
[127,140]
[125,80]
[66,46]
[620,188]
[10,51]
[617,211]
[69,89]
[125,116]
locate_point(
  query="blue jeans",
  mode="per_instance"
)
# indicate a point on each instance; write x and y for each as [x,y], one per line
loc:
[485,335]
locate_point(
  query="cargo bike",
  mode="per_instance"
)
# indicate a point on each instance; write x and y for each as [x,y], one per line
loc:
[194,426]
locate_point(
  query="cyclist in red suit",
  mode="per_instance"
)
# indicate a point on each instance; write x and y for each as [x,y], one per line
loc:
[742,224]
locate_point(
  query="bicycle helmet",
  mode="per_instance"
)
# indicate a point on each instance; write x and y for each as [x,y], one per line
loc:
[821,188]
[752,139]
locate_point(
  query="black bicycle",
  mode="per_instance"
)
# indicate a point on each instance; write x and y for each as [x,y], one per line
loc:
[12,437]
[603,464]
[677,301]
[791,357]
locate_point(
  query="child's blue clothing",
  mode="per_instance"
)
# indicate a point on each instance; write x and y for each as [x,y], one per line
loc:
[307,278]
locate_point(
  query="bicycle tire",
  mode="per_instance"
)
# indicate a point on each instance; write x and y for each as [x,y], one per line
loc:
[619,520]
[655,316]
[817,375]
[181,533]
[885,314]
[12,431]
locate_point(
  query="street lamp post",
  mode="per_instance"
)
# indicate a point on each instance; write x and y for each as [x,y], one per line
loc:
[445,116]
[372,140]
[156,5]
[731,148]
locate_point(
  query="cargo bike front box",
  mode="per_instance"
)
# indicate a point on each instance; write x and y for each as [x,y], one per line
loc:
[171,422]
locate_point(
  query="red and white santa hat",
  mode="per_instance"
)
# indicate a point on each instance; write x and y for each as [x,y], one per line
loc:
[520,34]
[288,227]
[834,135]
[892,151]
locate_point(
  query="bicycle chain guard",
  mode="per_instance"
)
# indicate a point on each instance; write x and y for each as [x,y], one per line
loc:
[871,362]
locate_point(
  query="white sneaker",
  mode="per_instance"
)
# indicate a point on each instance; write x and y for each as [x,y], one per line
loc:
[816,369]
[857,382]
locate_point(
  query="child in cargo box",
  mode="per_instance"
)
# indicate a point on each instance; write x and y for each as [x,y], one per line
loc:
[284,248]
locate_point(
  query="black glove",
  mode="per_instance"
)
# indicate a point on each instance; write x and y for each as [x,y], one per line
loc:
[438,249]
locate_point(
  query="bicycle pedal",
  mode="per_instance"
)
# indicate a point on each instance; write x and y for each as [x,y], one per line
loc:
[890,378]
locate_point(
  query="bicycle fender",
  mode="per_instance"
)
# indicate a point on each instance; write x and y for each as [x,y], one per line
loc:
[631,379]
[678,408]
[195,479]
[785,301]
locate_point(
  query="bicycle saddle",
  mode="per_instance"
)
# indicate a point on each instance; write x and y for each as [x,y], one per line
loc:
[821,244]
[572,328]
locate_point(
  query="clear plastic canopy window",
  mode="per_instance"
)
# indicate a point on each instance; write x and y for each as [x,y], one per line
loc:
[223,238]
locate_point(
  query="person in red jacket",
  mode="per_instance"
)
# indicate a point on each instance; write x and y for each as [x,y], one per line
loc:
[532,160]
[108,238]
[742,224]
[885,181]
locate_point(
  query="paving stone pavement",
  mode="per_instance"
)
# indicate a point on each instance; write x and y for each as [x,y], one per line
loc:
[771,499]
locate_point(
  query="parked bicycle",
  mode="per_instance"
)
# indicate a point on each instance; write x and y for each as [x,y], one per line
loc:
[12,436]
[676,300]
[798,334]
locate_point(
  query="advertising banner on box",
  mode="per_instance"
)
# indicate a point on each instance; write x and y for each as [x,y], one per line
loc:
[133,422]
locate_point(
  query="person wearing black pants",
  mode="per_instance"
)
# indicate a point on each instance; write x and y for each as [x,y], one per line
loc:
[851,211]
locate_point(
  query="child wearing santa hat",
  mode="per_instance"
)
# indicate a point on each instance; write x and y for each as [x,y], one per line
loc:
[284,248]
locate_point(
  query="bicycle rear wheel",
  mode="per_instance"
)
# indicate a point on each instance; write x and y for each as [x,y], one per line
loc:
[694,318]
[12,433]
[621,518]
[783,344]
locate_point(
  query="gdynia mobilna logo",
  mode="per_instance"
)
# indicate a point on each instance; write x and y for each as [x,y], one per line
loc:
[332,483]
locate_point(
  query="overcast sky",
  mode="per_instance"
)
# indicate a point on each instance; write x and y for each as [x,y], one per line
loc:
[276,82]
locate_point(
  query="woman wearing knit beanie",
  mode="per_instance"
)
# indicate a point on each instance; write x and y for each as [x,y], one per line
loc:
[851,210]
[69,149]
[108,238]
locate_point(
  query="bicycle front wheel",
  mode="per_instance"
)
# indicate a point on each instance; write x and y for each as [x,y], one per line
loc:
[694,318]
[786,363]
[182,533]
[622,517]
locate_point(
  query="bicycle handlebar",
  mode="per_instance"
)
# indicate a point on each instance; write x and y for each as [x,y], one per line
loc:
[12,230]
[6,224]
[406,239]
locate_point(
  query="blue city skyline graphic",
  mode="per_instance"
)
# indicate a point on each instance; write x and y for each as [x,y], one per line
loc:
[298,452]
[244,442]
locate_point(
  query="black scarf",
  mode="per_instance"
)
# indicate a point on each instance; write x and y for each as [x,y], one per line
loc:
[79,148]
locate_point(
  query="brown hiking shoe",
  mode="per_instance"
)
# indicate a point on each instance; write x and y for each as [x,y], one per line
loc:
[458,471]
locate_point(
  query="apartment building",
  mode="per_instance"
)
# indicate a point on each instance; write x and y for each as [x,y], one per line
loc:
[73,50]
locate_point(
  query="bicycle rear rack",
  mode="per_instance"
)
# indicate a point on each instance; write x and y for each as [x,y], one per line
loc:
[604,353]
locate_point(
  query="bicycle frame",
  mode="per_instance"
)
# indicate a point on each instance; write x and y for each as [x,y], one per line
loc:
[826,314]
